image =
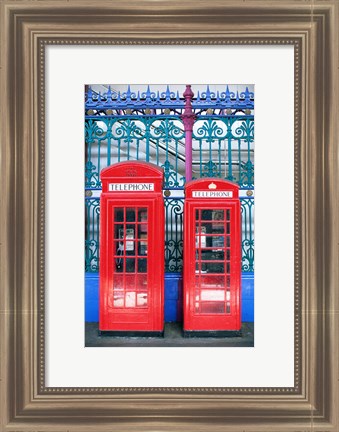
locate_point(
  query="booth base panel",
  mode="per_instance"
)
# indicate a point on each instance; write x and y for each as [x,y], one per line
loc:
[212,333]
[137,334]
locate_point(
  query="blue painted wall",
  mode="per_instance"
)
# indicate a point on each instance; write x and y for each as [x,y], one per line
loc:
[173,297]
[247,297]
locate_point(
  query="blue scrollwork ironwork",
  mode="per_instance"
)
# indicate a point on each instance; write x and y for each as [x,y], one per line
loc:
[92,212]
[247,245]
[223,148]
[210,169]
[171,179]
[91,176]
[110,140]
[173,234]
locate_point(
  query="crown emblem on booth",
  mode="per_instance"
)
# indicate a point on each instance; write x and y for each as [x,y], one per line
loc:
[131,172]
[212,186]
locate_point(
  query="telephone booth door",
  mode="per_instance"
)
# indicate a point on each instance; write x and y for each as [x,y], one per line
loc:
[212,257]
[132,249]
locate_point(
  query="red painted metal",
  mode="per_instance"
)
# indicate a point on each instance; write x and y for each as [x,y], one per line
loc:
[131,248]
[212,256]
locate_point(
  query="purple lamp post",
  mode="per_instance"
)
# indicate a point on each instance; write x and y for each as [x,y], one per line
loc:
[188,118]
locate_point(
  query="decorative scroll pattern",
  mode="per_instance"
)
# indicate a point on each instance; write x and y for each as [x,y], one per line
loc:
[173,234]
[92,213]
[224,148]
[118,139]
[247,245]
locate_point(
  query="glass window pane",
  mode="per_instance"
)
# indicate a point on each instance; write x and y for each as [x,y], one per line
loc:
[130,282]
[212,308]
[118,231]
[130,265]
[212,295]
[130,299]
[141,284]
[142,218]
[212,255]
[118,264]
[118,282]
[130,215]
[218,215]
[118,298]
[142,299]
[214,267]
[211,281]
[118,215]
[142,248]
[217,242]
[206,215]
[142,215]
[142,265]
[200,238]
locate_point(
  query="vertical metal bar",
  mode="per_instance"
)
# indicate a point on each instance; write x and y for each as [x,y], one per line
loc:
[239,159]
[147,136]
[176,162]
[229,149]
[200,156]
[137,149]
[188,118]
[250,234]
[89,146]
[219,157]
[119,150]
[157,152]
[87,253]
[109,138]
[167,138]
[167,255]
[108,151]
[99,155]
[248,152]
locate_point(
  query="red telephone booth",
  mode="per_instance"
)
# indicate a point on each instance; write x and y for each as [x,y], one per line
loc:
[132,249]
[212,258]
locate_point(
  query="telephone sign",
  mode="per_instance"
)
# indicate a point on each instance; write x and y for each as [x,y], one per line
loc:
[212,257]
[132,249]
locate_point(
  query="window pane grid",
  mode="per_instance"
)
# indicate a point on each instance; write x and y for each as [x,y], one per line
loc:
[213,261]
[130,227]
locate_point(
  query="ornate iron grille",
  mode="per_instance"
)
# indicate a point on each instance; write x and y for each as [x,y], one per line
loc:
[149,126]
[173,234]
[223,148]
[160,141]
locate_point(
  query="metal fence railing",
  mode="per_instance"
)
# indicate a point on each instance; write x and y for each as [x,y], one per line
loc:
[148,126]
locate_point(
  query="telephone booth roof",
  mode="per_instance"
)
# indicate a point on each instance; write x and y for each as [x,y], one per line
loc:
[212,185]
[132,172]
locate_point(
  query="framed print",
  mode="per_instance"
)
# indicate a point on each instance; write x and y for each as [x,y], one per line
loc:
[289,51]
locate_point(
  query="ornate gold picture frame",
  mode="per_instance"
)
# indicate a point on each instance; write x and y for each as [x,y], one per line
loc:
[27,28]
